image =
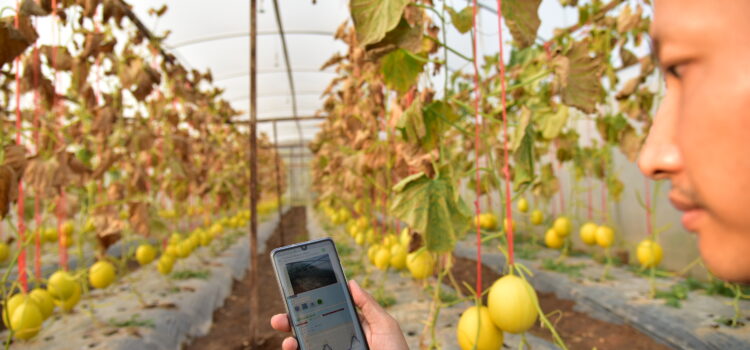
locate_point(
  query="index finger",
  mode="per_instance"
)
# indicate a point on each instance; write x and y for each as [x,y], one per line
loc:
[280,322]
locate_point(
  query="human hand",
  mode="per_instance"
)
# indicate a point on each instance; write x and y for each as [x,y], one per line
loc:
[381,329]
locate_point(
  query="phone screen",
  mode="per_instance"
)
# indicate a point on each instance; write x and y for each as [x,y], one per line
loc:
[317,297]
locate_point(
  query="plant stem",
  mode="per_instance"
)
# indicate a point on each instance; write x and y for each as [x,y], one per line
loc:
[736,304]
[608,263]
[652,282]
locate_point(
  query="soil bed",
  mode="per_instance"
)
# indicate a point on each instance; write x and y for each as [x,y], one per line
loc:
[230,322]
[578,330]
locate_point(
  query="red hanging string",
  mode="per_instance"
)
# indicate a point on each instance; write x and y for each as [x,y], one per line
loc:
[385,215]
[477,125]
[375,223]
[61,238]
[37,199]
[21,224]
[649,227]
[506,163]
[559,171]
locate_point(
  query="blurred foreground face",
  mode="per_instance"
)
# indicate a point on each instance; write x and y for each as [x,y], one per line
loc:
[700,139]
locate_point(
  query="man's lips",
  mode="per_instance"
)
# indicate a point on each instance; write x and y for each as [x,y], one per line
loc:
[692,211]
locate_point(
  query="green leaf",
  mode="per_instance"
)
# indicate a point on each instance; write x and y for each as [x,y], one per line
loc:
[404,36]
[522,18]
[554,123]
[373,18]
[433,208]
[464,20]
[578,76]
[523,170]
[401,70]
[520,131]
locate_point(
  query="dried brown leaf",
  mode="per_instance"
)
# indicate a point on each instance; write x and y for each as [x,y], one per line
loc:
[15,157]
[8,189]
[15,41]
[58,57]
[32,8]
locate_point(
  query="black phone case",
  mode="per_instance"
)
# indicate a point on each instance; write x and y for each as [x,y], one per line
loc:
[273,253]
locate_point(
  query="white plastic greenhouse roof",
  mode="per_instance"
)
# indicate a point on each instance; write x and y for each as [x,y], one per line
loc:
[215,35]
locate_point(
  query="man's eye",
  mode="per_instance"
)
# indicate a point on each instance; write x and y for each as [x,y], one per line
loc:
[674,70]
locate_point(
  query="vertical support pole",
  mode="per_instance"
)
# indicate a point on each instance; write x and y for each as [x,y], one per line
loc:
[300,171]
[278,181]
[293,174]
[253,173]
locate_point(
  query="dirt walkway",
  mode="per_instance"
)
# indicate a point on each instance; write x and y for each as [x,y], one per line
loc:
[231,321]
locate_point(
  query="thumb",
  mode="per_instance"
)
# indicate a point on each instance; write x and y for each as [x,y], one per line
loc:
[371,310]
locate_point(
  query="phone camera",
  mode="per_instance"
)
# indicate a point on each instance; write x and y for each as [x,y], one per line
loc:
[304,247]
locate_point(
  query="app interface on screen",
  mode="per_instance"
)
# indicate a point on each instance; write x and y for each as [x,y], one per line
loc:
[317,299]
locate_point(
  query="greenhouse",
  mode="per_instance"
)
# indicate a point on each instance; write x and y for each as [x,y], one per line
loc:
[374,174]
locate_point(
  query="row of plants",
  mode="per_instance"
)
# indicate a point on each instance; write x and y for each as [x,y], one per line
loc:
[402,146]
[108,139]
[24,313]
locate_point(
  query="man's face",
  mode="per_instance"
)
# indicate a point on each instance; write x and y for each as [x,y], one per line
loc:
[700,139]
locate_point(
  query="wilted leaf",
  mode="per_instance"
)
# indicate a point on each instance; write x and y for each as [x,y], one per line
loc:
[438,117]
[554,123]
[158,12]
[520,131]
[112,9]
[58,57]
[627,57]
[464,20]
[15,41]
[92,44]
[400,70]
[629,88]
[335,59]
[522,18]
[580,83]
[32,8]
[433,208]
[73,163]
[523,168]
[630,144]
[412,122]
[108,230]
[647,66]
[627,20]
[373,18]
[8,189]
[139,218]
[104,119]
[15,157]
[404,36]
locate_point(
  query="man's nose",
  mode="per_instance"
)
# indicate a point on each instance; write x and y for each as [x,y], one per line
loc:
[660,156]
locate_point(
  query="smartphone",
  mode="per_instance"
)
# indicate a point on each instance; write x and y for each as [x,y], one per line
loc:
[317,298]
